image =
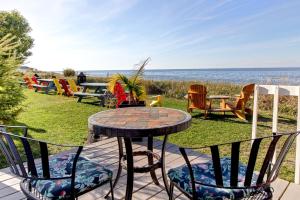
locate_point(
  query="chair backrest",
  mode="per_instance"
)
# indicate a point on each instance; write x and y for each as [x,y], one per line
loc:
[246,92]
[15,127]
[64,85]
[265,146]
[119,93]
[28,82]
[197,96]
[73,85]
[12,146]
[33,78]
[58,86]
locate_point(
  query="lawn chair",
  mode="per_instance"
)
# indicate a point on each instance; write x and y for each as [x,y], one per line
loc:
[228,177]
[28,82]
[65,86]
[34,80]
[23,128]
[73,85]
[62,176]
[119,93]
[157,101]
[197,99]
[59,90]
[239,107]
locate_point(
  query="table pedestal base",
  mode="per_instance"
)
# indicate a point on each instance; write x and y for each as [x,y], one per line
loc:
[154,162]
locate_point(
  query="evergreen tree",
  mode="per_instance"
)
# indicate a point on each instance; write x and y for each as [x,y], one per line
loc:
[11,94]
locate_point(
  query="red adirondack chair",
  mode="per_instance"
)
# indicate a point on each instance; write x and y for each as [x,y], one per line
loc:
[119,93]
[65,86]
[33,78]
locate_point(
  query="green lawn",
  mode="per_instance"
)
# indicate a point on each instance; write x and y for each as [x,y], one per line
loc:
[62,120]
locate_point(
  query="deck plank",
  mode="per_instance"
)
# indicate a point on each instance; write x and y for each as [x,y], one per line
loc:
[106,153]
[292,192]
[279,187]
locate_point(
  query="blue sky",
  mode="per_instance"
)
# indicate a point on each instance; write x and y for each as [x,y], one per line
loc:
[116,34]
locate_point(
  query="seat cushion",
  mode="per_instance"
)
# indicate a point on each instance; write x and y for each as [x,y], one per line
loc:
[204,173]
[89,175]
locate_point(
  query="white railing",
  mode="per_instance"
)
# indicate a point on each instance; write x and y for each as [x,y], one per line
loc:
[278,90]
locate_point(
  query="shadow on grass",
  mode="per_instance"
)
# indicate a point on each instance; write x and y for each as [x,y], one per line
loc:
[37,130]
[95,103]
[281,119]
[51,93]
[222,118]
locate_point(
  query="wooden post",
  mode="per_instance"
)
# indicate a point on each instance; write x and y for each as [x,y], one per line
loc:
[297,160]
[255,111]
[275,109]
[275,116]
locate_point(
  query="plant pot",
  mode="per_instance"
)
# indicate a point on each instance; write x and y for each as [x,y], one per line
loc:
[125,104]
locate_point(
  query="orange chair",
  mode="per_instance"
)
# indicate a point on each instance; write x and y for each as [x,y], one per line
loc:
[197,98]
[239,107]
[28,82]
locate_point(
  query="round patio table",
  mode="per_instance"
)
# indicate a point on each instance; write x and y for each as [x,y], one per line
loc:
[127,123]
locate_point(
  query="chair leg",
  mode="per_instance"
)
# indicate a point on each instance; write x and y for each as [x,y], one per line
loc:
[240,114]
[171,190]
[111,189]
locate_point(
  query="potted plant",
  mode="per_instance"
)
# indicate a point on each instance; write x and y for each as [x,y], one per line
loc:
[133,84]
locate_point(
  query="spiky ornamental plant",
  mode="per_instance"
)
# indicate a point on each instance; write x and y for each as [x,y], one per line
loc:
[133,84]
[11,94]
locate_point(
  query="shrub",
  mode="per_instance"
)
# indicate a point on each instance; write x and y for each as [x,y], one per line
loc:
[69,72]
[11,94]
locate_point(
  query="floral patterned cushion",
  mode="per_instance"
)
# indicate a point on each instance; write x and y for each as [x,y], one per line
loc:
[204,173]
[89,175]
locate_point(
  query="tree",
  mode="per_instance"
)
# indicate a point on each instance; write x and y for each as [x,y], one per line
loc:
[12,22]
[69,72]
[11,94]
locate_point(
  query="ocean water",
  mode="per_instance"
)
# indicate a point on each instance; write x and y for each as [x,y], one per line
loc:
[284,76]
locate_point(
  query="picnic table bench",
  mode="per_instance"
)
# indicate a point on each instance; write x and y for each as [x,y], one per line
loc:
[100,92]
[45,85]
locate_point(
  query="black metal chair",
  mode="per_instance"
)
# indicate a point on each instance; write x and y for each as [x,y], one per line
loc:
[218,177]
[24,129]
[62,176]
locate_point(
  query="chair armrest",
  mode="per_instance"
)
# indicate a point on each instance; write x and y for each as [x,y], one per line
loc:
[24,128]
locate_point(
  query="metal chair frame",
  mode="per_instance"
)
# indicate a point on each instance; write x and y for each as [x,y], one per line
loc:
[13,158]
[261,186]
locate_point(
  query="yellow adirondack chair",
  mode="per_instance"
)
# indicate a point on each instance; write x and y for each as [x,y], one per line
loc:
[157,102]
[239,107]
[59,89]
[73,85]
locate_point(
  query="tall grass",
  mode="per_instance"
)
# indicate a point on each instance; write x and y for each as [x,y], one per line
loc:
[178,89]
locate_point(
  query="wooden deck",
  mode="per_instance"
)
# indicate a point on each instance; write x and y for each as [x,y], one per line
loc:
[106,152]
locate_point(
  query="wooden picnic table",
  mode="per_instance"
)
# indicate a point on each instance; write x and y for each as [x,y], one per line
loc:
[128,123]
[45,80]
[99,91]
[45,85]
